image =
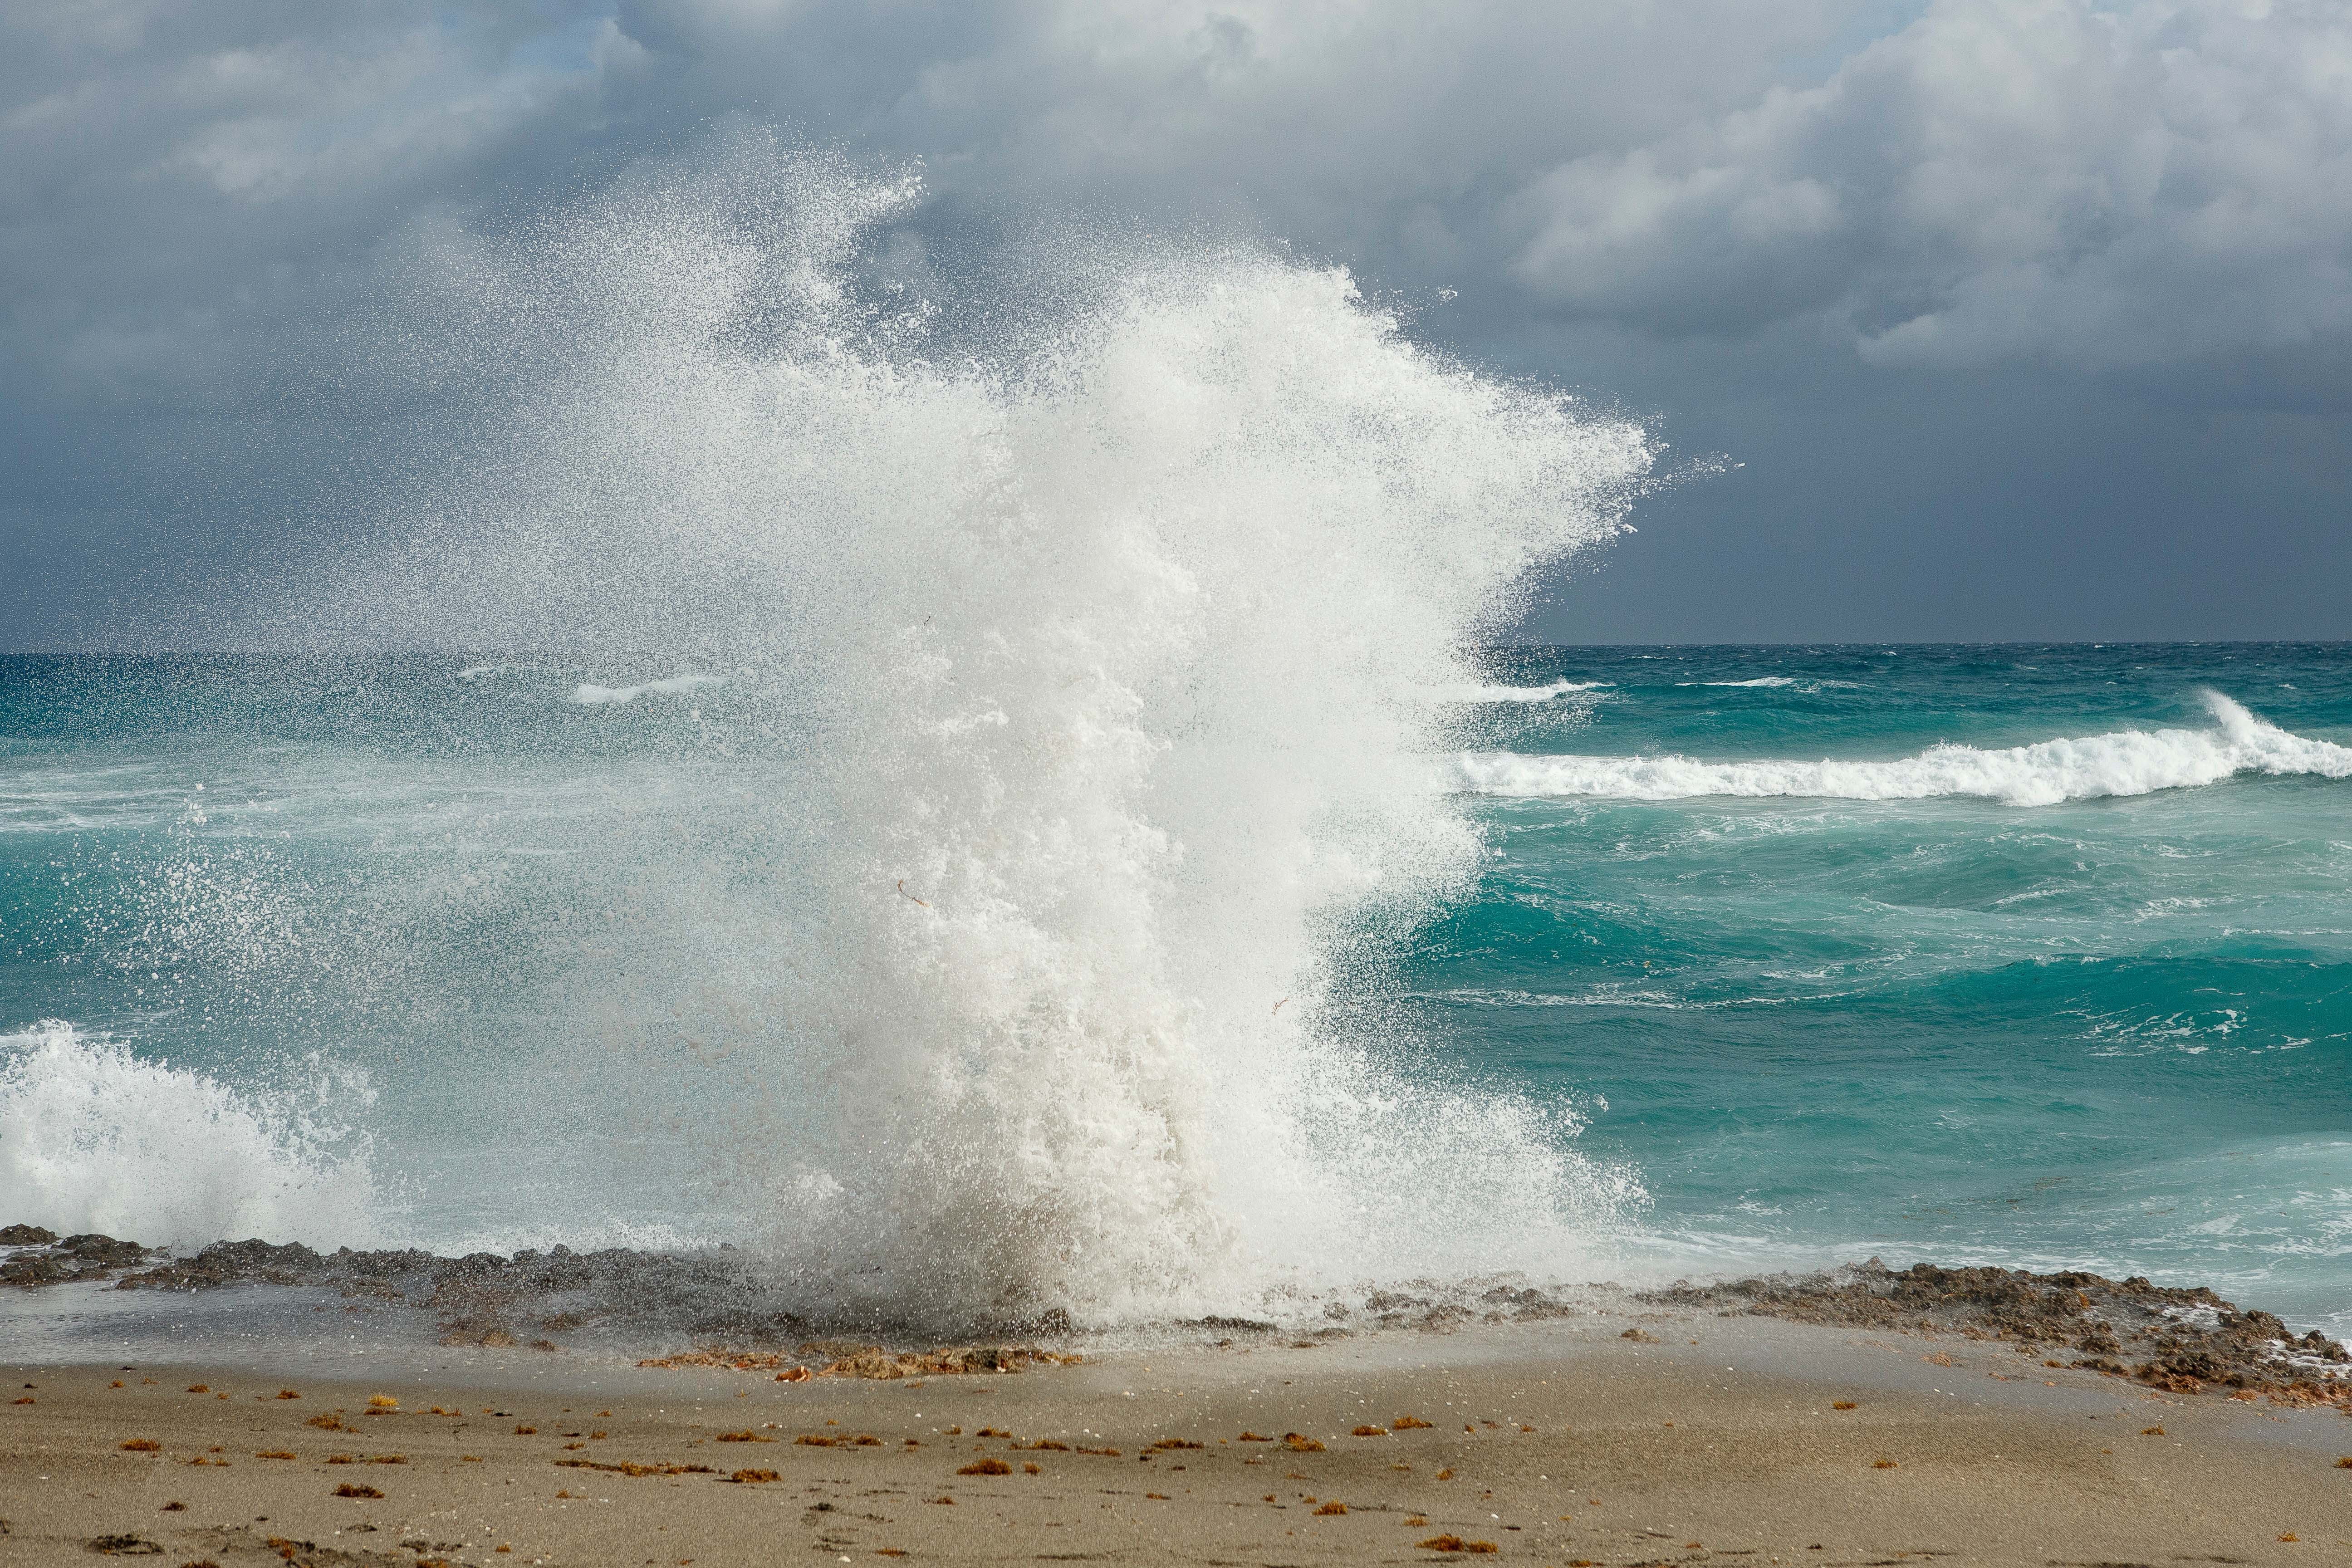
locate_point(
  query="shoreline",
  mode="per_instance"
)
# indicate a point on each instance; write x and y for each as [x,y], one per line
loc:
[1622,1435]
[722,1304]
[376,1408]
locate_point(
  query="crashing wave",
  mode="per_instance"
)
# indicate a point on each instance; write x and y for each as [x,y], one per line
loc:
[2129,762]
[94,1139]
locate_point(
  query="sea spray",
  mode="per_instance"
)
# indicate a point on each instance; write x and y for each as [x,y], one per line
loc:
[1072,668]
[95,1139]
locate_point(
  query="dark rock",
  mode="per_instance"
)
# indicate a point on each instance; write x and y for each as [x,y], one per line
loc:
[2182,1339]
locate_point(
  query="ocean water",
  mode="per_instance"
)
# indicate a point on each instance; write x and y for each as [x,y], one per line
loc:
[2032,955]
[2021,954]
[992,789]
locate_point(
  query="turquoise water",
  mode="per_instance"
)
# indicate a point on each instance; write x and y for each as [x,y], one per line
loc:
[2008,1001]
[2109,1031]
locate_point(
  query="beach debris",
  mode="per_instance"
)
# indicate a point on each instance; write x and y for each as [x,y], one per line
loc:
[1446,1475]
[327,1422]
[1253,1437]
[1163,1445]
[1883,1464]
[274,1454]
[746,1435]
[1640,1338]
[200,1388]
[138,1445]
[1455,1544]
[2345,1463]
[382,1401]
[1157,1496]
[2157,1431]
[288,1393]
[729,1359]
[752,1476]
[1299,1444]
[1031,1467]
[814,1440]
[1408,1424]
[631,1467]
[986,1468]
[1335,1505]
[1370,1432]
[355,1490]
[1841,1404]
[908,896]
[526,1431]
[173,1507]
[22,1399]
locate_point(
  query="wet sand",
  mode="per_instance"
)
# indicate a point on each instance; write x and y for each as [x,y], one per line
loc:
[1561,1443]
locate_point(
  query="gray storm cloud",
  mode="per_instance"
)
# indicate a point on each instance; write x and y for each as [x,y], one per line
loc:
[2002,177]
[1861,245]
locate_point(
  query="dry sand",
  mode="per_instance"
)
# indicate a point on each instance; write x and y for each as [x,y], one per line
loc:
[1558,1443]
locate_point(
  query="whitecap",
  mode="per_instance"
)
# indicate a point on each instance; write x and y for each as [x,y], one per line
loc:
[1508,694]
[2127,762]
[589,695]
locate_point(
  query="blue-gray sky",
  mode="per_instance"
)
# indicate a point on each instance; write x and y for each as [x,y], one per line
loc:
[2024,318]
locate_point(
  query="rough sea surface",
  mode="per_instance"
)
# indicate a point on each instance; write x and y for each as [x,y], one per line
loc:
[2027,955]
[2033,955]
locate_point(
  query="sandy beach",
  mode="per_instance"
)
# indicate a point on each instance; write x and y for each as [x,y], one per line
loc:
[1564,1442]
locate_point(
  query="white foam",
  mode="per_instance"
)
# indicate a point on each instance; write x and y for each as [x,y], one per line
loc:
[1510,693]
[1779,682]
[1080,642]
[2127,762]
[592,695]
[93,1139]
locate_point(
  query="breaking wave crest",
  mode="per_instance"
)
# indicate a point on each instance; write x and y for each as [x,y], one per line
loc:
[93,1139]
[2129,762]
[589,695]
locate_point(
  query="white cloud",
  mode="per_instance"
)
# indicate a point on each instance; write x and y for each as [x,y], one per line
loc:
[2002,178]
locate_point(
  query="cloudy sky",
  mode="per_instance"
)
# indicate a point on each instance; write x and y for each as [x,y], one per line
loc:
[2021,318]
